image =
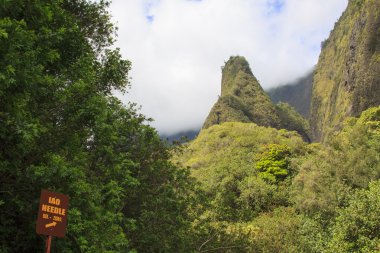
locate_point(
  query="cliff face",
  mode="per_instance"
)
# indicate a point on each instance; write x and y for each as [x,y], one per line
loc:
[347,77]
[242,98]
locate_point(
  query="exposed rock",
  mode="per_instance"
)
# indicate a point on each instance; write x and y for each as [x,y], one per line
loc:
[347,77]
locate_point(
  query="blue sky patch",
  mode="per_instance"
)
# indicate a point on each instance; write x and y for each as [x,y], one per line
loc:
[148,5]
[150,18]
[274,6]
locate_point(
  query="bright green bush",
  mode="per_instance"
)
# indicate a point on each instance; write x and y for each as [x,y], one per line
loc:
[274,163]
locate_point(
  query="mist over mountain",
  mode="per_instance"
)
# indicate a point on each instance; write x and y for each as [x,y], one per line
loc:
[181,136]
[297,94]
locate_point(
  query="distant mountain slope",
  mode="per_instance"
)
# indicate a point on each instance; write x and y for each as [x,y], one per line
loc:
[296,94]
[189,135]
[347,77]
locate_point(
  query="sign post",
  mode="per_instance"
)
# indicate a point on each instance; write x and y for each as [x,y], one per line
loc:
[52,215]
[48,243]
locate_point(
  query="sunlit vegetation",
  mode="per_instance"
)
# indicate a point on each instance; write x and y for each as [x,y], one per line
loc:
[268,191]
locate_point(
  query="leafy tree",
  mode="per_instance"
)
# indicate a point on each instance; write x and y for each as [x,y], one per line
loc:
[61,129]
[274,163]
[357,226]
[222,159]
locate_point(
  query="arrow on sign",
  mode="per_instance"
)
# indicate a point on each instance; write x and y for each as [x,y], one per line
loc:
[51,224]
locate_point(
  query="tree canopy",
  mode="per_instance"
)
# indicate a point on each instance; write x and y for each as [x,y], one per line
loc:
[62,129]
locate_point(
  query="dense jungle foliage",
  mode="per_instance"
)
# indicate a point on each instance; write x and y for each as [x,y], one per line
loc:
[265,190]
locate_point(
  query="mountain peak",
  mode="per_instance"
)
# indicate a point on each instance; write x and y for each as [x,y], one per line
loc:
[242,98]
[235,66]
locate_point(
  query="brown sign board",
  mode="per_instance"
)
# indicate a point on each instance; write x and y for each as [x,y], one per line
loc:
[52,214]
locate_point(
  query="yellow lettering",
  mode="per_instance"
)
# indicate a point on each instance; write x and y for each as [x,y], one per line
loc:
[53,209]
[54,201]
[57,218]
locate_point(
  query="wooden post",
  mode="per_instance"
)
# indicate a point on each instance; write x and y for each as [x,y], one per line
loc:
[48,243]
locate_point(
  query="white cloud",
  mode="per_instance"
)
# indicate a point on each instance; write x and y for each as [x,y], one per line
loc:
[178,46]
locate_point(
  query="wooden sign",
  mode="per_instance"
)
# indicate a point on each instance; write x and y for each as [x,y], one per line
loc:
[52,214]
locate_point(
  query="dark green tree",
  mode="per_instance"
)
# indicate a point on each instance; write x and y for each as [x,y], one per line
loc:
[61,129]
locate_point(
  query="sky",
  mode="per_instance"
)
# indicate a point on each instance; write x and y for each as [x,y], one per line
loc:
[177,49]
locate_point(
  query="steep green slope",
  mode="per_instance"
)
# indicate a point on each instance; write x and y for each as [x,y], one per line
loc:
[242,98]
[296,94]
[347,77]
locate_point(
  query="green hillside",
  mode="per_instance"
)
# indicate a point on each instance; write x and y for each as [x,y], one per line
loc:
[233,147]
[268,191]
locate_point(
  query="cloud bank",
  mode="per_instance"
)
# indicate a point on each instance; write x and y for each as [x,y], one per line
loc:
[177,48]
